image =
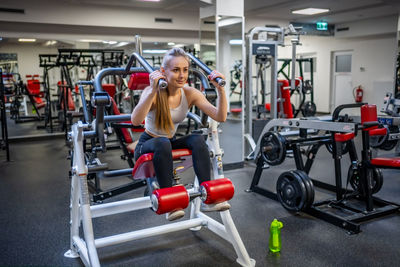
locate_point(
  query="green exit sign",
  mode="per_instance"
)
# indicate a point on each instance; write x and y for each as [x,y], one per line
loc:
[322,26]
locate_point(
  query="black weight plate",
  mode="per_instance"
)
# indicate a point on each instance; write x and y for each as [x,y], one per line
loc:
[308,109]
[377,180]
[390,144]
[273,148]
[345,148]
[291,191]
[309,187]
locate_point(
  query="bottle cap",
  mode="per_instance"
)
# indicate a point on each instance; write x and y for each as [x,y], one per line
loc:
[276,224]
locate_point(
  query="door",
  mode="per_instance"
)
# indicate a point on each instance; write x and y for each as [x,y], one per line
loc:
[342,79]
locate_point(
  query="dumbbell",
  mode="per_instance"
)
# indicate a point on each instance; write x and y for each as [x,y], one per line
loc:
[177,197]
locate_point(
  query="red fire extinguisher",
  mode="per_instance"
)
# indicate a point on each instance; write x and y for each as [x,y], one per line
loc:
[358,93]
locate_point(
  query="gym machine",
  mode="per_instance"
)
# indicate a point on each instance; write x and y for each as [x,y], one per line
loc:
[262,46]
[161,201]
[265,46]
[295,189]
[87,59]
[391,122]
[307,108]
[30,90]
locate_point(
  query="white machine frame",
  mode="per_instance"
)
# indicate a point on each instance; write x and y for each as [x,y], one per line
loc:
[82,213]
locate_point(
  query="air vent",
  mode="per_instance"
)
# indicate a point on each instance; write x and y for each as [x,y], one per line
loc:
[342,29]
[12,10]
[209,22]
[163,20]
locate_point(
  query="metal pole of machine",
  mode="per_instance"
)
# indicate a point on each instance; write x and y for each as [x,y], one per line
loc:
[293,70]
[248,92]
[138,47]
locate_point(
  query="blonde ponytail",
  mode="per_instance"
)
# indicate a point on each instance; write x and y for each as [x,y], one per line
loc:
[163,114]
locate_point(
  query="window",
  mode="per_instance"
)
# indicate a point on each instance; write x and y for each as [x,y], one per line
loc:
[343,63]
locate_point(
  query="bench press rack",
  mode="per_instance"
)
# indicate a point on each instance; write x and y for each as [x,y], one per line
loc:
[82,213]
[351,223]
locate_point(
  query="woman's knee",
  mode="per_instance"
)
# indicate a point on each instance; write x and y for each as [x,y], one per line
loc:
[162,145]
[197,142]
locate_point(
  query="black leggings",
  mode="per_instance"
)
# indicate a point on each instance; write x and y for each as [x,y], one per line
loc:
[162,160]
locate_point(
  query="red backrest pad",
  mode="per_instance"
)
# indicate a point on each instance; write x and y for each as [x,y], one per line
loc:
[139,81]
[110,89]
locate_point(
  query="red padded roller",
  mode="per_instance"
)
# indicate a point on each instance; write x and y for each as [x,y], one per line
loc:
[217,191]
[169,199]
[368,113]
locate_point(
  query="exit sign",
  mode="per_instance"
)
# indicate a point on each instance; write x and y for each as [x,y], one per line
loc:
[322,26]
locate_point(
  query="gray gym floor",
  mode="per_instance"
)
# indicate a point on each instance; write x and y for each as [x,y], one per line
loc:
[34,220]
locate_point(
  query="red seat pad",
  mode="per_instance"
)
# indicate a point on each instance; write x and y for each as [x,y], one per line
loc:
[343,137]
[236,110]
[144,165]
[377,132]
[388,162]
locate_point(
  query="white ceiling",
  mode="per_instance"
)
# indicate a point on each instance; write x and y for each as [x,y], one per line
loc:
[340,10]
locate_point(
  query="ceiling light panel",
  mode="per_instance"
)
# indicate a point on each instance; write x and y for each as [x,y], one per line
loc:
[310,11]
[29,40]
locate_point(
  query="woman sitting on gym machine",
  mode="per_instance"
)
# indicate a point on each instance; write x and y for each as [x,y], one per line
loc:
[163,110]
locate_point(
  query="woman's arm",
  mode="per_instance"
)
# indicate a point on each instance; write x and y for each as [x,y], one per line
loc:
[143,107]
[147,99]
[218,113]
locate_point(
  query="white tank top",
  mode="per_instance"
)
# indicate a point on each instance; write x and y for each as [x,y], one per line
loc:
[178,114]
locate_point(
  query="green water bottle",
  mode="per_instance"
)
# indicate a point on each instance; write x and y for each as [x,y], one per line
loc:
[275,236]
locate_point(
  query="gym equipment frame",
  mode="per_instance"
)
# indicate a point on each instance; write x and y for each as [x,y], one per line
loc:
[82,213]
[295,189]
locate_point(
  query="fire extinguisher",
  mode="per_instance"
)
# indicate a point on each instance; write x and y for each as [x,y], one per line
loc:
[358,93]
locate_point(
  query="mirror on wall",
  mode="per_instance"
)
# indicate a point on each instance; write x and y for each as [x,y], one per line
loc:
[230,56]
[44,64]
[397,63]
[207,41]
[230,62]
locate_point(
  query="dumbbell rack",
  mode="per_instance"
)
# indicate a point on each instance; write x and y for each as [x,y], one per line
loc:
[349,223]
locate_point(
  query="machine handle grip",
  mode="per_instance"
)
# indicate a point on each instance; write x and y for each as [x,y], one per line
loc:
[162,84]
[221,82]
